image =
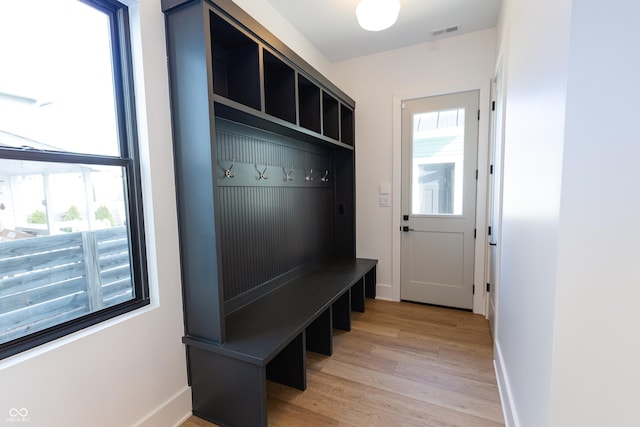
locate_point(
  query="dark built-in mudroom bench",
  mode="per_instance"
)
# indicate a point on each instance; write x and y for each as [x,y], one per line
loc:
[267,340]
[264,154]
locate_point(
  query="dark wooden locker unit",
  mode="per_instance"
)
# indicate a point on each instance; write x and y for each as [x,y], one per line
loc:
[264,157]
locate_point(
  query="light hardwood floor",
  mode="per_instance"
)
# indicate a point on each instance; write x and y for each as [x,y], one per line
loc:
[402,364]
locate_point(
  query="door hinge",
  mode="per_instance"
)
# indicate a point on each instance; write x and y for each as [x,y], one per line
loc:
[493,105]
[478,114]
[489,230]
[474,233]
[491,169]
[488,287]
[473,290]
[476,174]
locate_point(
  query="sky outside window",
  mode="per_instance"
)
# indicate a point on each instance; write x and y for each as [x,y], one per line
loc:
[56,82]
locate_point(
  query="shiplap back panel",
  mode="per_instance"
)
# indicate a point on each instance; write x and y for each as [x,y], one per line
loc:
[252,149]
[271,227]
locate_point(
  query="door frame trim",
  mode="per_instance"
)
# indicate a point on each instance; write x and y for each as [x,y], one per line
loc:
[500,71]
[484,86]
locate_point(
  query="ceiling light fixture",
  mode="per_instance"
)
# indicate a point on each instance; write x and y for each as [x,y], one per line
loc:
[377,15]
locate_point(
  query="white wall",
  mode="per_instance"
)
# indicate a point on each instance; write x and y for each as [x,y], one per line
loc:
[263,12]
[596,370]
[131,369]
[534,43]
[378,83]
[569,299]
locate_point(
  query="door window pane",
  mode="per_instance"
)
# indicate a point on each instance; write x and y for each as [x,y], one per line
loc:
[437,162]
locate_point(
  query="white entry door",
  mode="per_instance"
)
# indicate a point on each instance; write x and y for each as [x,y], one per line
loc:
[439,157]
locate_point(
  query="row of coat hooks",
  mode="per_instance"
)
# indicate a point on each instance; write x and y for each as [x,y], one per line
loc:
[309,174]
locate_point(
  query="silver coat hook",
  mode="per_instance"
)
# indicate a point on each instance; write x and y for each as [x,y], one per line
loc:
[288,176]
[309,176]
[227,172]
[325,178]
[263,174]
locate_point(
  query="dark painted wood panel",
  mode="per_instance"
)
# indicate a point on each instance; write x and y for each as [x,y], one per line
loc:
[258,331]
[269,231]
[345,206]
[271,226]
[227,391]
[190,68]
[244,144]
[288,367]
[341,309]
[319,334]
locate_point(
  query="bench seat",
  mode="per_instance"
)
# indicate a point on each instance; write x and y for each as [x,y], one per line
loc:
[267,339]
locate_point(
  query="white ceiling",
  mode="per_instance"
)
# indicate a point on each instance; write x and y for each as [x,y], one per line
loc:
[331,25]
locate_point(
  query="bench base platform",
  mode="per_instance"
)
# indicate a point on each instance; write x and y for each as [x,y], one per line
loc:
[267,340]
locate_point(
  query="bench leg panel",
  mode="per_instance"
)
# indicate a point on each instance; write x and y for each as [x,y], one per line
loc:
[227,391]
[289,366]
[341,309]
[357,296]
[370,283]
[319,334]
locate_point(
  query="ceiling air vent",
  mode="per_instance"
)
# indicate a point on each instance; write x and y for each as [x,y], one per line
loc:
[445,30]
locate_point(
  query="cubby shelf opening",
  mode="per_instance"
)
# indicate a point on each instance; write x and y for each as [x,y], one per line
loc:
[236,71]
[346,125]
[330,116]
[309,104]
[279,88]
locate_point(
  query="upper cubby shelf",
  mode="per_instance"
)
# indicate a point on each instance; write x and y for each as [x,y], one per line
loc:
[235,62]
[257,79]
[347,131]
[330,116]
[309,104]
[279,88]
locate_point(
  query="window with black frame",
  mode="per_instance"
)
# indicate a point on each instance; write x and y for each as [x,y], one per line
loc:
[72,249]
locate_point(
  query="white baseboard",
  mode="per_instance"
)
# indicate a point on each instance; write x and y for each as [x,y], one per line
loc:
[184,418]
[173,412]
[384,291]
[506,397]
